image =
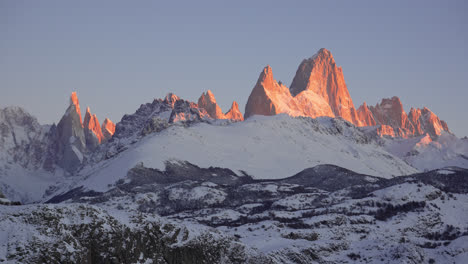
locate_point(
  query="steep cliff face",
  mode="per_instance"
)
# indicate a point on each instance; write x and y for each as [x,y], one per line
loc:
[108,129]
[92,130]
[70,142]
[270,98]
[71,139]
[365,115]
[318,89]
[208,101]
[320,75]
[390,112]
[425,121]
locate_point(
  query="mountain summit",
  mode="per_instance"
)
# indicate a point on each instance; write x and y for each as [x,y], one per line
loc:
[319,89]
[320,75]
[207,101]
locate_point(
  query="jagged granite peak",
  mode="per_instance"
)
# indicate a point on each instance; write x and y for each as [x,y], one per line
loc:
[268,97]
[320,75]
[92,130]
[75,102]
[69,143]
[390,112]
[171,99]
[234,113]
[425,121]
[207,101]
[108,129]
[365,115]
[157,115]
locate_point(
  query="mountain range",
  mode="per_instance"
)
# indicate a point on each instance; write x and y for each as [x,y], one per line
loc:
[296,155]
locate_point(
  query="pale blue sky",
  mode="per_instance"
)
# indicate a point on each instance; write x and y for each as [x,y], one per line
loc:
[120,54]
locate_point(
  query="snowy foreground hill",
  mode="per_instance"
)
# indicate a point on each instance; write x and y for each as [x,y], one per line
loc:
[264,147]
[188,214]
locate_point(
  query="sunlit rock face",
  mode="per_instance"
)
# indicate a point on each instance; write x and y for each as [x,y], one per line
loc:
[390,112]
[269,97]
[320,75]
[318,89]
[425,121]
[207,101]
[92,130]
[234,113]
[384,130]
[74,101]
[108,129]
[365,115]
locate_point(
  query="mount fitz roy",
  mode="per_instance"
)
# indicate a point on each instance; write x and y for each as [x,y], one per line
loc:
[319,89]
[302,176]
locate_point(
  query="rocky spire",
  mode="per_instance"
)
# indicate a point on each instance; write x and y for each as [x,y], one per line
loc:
[425,121]
[207,101]
[69,142]
[74,102]
[365,115]
[108,129]
[268,97]
[92,130]
[234,113]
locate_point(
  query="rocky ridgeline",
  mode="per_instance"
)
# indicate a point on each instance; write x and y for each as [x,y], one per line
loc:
[319,89]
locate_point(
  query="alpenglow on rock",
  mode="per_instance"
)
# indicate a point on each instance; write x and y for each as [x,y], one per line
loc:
[208,102]
[108,129]
[393,120]
[234,113]
[318,89]
[92,130]
[320,75]
[71,139]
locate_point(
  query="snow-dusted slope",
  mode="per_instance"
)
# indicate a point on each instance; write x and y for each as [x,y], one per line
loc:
[265,147]
[424,154]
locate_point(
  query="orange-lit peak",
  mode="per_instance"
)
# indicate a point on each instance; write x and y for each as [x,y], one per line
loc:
[207,101]
[171,99]
[74,102]
[108,129]
[234,113]
[268,71]
[74,99]
[91,123]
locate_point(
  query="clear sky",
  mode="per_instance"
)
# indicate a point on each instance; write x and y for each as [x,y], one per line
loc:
[120,54]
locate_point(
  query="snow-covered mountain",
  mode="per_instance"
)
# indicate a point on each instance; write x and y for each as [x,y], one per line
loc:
[265,147]
[304,178]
